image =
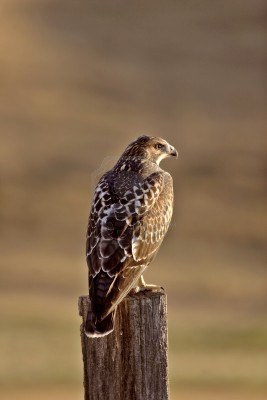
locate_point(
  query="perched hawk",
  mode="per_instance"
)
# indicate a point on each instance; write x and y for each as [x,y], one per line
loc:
[131,213]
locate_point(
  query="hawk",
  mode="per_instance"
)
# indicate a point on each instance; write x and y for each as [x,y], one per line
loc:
[131,212]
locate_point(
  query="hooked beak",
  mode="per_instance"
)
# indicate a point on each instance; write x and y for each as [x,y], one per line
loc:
[173,152]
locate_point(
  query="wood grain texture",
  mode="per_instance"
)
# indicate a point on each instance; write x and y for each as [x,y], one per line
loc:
[130,363]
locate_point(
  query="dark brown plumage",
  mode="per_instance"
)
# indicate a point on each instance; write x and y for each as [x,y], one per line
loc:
[131,212]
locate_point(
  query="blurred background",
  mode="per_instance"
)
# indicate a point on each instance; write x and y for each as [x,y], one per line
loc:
[79,80]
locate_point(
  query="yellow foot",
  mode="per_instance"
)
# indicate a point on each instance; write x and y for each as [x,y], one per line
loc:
[142,286]
[152,288]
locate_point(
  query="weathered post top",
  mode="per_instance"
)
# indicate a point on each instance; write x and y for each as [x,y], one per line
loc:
[130,363]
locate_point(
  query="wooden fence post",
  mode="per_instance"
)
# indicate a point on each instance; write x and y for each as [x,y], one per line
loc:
[130,363]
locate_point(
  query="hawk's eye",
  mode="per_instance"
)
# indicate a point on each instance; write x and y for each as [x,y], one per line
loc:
[159,146]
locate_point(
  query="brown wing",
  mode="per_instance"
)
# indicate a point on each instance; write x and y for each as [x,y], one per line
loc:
[123,236]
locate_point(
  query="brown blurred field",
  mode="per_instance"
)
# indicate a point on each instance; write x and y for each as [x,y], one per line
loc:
[79,80]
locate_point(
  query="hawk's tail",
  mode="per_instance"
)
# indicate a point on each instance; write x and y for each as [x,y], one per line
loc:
[94,328]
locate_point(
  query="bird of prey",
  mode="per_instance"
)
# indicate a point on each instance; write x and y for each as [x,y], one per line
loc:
[131,212]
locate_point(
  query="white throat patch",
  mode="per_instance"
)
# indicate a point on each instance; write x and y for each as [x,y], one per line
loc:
[161,157]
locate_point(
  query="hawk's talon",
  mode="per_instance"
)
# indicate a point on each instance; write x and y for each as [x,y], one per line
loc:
[149,287]
[142,286]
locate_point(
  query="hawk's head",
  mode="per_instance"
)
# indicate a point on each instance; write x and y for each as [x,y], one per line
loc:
[152,148]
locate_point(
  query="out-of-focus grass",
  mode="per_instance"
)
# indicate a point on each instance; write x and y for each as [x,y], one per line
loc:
[78,83]
[39,341]
[43,392]
[251,339]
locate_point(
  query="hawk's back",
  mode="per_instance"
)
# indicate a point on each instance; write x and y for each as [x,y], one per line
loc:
[130,215]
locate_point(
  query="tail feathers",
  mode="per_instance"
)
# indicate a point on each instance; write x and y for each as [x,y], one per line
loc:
[95,328]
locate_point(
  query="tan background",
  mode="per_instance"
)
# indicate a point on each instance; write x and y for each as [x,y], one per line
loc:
[79,80]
